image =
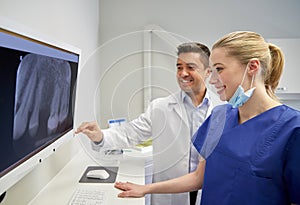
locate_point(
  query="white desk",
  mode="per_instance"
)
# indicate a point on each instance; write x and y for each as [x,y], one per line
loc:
[61,187]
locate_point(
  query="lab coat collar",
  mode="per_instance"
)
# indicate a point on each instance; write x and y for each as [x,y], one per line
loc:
[176,103]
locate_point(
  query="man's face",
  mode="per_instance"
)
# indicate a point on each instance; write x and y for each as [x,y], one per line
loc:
[191,73]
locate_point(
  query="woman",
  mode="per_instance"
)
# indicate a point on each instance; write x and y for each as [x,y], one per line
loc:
[254,157]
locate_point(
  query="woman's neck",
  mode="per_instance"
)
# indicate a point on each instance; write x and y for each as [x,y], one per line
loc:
[259,102]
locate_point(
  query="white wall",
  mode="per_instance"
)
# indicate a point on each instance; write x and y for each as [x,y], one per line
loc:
[75,22]
[201,20]
[121,23]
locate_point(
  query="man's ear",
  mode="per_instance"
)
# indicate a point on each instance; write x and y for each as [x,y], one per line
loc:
[254,65]
[207,72]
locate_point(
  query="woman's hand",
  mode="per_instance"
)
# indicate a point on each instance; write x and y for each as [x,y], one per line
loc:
[189,182]
[130,189]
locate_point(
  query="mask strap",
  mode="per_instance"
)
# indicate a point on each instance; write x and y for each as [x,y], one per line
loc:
[245,76]
[252,81]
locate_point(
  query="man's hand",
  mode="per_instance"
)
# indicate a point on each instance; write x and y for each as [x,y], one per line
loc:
[92,130]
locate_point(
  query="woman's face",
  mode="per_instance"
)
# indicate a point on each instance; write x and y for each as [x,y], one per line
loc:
[227,73]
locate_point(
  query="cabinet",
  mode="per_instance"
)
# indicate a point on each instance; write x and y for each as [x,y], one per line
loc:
[290,79]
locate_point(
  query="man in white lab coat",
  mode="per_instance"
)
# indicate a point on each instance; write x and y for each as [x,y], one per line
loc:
[170,121]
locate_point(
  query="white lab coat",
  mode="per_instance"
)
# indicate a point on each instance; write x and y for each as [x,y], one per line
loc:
[166,122]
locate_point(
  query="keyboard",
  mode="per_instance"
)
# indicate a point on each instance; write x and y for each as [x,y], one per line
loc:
[88,196]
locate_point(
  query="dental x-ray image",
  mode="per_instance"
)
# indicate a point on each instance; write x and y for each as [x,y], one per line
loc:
[37,94]
[41,101]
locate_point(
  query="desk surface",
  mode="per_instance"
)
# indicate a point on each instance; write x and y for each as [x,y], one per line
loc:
[61,188]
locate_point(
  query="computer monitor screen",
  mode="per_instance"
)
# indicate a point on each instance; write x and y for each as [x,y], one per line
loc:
[37,96]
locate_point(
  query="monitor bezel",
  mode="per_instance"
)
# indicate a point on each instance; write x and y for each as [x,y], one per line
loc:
[25,166]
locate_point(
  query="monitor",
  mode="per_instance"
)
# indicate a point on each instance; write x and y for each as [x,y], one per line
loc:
[37,101]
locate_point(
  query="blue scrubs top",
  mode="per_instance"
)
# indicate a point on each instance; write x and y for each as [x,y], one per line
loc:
[257,162]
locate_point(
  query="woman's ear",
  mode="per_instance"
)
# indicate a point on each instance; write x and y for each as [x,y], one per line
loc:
[253,65]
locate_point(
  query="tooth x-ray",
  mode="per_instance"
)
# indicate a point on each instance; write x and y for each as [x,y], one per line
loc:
[41,101]
[37,96]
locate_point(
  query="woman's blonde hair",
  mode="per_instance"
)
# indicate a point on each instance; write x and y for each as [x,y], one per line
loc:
[246,45]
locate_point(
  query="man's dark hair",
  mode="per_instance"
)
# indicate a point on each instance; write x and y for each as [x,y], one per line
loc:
[194,47]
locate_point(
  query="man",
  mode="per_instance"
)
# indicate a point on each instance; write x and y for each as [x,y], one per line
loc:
[170,121]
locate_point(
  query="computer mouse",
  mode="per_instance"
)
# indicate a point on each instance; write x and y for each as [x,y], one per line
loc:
[98,174]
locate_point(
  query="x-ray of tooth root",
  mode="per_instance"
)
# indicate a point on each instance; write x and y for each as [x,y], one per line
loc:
[41,100]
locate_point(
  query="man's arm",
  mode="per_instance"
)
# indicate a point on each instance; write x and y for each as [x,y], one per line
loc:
[129,134]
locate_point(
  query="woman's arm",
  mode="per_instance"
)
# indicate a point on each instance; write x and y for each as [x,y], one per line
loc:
[189,182]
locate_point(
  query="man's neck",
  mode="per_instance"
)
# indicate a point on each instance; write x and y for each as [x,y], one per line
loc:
[197,98]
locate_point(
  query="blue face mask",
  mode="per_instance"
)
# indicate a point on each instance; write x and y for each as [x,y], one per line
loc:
[240,97]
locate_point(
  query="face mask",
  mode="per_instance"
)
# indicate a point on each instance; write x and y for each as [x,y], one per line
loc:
[240,97]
